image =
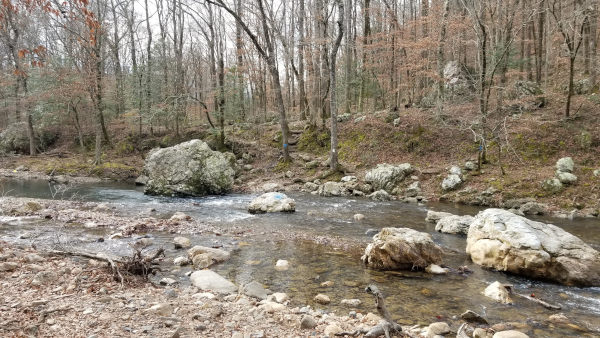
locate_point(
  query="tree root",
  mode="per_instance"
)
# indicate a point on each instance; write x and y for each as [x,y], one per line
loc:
[138,264]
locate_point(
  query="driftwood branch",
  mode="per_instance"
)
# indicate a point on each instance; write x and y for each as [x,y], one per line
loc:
[539,301]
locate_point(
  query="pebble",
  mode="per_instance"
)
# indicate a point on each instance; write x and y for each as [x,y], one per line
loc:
[327,283]
[181,242]
[282,265]
[279,297]
[307,322]
[170,293]
[181,261]
[351,302]
[332,329]
[439,328]
[359,217]
[322,299]
[162,309]
[167,281]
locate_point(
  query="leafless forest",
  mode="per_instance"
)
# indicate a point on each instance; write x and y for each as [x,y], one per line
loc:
[163,66]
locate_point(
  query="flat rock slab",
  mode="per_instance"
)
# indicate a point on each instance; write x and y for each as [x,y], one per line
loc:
[208,280]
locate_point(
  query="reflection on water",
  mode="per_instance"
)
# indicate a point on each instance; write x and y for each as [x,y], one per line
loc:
[412,297]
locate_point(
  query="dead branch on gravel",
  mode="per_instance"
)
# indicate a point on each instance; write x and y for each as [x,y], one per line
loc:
[143,266]
[386,328]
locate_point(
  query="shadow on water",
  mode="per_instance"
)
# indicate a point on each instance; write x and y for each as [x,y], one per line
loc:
[412,297]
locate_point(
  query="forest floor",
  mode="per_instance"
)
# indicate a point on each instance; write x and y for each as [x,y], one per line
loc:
[531,143]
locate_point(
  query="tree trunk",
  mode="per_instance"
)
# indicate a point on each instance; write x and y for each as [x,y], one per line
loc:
[594,44]
[302,91]
[440,55]
[570,92]
[366,33]
[239,47]
[332,75]
[117,62]
[148,65]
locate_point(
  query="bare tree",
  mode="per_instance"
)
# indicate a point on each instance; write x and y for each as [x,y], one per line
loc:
[269,56]
[571,27]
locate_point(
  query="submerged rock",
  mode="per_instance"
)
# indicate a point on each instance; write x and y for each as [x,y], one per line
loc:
[322,299]
[254,289]
[181,242]
[435,216]
[180,217]
[454,224]
[435,269]
[501,240]
[189,168]
[510,334]
[272,202]
[401,249]
[387,177]
[203,257]
[380,195]
[351,302]
[282,265]
[498,292]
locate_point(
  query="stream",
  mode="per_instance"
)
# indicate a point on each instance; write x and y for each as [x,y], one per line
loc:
[412,297]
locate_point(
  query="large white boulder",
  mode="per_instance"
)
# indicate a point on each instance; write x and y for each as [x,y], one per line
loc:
[401,249]
[272,202]
[501,240]
[387,176]
[189,168]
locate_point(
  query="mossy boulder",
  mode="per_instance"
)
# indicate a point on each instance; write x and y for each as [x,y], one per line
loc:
[188,169]
[14,139]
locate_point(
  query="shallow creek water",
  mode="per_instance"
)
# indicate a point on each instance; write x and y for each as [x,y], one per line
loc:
[413,297]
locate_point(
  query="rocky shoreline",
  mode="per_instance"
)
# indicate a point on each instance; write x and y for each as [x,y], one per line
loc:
[384,182]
